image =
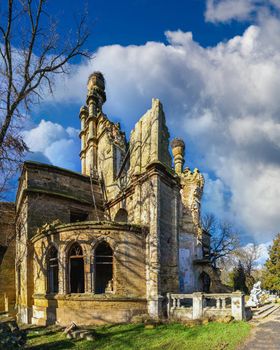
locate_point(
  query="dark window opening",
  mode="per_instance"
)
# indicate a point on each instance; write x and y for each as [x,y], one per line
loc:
[78,216]
[3,249]
[76,265]
[52,270]
[121,216]
[103,268]
[205,282]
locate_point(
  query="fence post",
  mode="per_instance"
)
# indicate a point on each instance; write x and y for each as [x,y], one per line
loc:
[238,306]
[197,305]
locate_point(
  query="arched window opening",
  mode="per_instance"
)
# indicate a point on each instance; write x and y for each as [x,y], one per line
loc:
[52,270]
[205,282]
[121,216]
[76,267]
[103,268]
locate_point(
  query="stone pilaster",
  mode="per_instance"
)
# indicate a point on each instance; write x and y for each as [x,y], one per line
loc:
[153,253]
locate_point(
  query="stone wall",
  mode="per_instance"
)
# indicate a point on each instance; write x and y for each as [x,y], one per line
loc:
[128,245]
[149,140]
[86,310]
[190,236]
[169,245]
[47,193]
[7,263]
[54,194]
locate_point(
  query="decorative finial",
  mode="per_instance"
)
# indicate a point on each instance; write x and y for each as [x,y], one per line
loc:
[178,151]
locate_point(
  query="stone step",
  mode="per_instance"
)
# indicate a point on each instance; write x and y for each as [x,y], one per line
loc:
[267,312]
[260,310]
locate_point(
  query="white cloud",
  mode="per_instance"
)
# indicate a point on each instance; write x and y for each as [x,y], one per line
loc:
[222,100]
[50,142]
[214,196]
[225,10]
[239,10]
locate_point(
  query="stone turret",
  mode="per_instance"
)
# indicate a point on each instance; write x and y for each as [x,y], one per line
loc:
[96,97]
[178,151]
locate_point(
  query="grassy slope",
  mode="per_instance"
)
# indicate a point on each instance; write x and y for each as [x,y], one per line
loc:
[214,336]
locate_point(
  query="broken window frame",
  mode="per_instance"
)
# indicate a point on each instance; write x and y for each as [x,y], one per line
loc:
[78,254]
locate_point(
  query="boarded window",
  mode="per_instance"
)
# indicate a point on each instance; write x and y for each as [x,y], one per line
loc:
[103,268]
[76,269]
[52,270]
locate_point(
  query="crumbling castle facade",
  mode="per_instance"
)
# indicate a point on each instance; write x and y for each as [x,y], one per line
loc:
[110,242]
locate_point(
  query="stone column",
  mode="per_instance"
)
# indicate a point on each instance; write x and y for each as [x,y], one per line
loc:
[197,305]
[178,151]
[62,270]
[238,306]
[83,117]
[87,265]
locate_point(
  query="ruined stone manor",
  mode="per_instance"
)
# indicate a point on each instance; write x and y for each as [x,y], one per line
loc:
[110,242]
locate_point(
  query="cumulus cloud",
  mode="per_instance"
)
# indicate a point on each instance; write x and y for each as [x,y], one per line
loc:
[239,10]
[49,142]
[222,100]
[225,10]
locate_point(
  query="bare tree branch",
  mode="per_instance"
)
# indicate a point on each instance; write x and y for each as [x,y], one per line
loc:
[28,70]
[224,239]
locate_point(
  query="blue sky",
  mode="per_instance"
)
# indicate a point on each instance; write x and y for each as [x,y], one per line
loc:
[137,21]
[214,64]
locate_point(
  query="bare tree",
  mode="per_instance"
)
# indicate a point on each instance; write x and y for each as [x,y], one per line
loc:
[31,54]
[249,256]
[224,238]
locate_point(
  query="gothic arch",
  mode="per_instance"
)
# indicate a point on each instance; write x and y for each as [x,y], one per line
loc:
[103,266]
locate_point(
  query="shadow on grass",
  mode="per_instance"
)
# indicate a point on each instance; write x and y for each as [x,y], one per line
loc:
[58,345]
[34,335]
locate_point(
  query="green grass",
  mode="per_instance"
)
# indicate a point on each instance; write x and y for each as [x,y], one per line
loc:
[214,336]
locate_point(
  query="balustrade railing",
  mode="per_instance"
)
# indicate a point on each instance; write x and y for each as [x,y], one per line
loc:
[206,304]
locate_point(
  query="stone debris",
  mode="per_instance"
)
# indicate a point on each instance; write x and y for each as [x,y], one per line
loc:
[70,328]
[74,332]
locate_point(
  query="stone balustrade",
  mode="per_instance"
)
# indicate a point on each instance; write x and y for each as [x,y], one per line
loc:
[199,305]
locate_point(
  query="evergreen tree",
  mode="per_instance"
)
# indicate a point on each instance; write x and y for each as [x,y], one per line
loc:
[272,276]
[239,278]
